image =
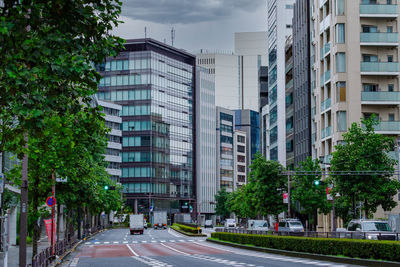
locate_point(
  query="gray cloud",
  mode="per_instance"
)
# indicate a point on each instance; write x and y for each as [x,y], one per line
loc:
[186,11]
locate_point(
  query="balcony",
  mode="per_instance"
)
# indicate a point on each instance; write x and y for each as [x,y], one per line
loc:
[379,38]
[378,11]
[327,75]
[313,138]
[289,65]
[289,84]
[325,24]
[312,112]
[327,132]
[379,68]
[326,105]
[380,98]
[325,50]
[388,127]
[327,159]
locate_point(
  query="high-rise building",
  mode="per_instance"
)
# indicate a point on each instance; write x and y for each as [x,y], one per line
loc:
[236,74]
[154,84]
[240,155]
[248,121]
[301,81]
[289,103]
[206,152]
[356,69]
[114,145]
[280,14]
[225,122]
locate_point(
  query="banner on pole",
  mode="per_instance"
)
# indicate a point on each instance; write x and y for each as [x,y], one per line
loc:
[47,223]
[285,198]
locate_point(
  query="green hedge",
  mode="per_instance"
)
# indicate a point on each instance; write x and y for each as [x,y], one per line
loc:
[187,229]
[364,249]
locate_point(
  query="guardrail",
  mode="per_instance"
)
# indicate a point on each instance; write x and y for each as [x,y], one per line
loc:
[347,235]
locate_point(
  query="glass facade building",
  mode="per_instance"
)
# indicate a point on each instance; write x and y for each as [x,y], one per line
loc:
[154,84]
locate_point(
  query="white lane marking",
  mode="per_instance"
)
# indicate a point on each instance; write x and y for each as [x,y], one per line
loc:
[171,248]
[74,262]
[97,242]
[87,243]
[181,240]
[133,252]
[106,242]
[172,241]
[134,242]
[125,242]
[144,241]
[172,233]
[116,242]
[163,241]
[153,241]
[191,240]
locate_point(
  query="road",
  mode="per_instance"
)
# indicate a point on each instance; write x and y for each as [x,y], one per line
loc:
[168,248]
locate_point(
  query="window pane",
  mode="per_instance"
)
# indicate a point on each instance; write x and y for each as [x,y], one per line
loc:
[342,121]
[339,7]
[340,34]
[340,62]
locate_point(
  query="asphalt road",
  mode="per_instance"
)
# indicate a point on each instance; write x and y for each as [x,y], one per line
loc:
[165,248]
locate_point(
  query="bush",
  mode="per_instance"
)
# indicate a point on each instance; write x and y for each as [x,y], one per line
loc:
[149,225]
[365,249]
[187,229]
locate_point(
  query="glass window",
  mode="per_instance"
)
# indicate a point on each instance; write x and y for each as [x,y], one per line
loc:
[340,33]
[119,64]
[274,135]
[341,92]
[389,28]
[340,62]
[341,121]
[339,7]
[391,116]
[370,58]
[390,87]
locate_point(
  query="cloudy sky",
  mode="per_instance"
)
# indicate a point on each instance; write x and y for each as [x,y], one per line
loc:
[198,24]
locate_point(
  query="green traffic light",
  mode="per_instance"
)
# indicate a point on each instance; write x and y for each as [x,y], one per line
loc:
[185,203]
[316,182]
[106,187]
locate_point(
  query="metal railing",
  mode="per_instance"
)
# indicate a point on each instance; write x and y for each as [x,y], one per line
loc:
[346,235]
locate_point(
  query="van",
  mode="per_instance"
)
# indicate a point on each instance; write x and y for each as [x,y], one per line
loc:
[259,225]
[290,225]
[230,223]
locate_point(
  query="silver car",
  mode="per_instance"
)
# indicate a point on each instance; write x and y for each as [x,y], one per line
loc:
[290,226]
[370,229]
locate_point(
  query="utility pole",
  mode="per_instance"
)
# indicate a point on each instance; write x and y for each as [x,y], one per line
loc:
[24,208]
[53,192]
[288,181]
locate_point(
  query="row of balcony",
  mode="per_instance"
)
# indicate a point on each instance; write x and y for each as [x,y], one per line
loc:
[326,132]
[379,38]
[326,104]
[325,50]
[378,10]
[325,77]
[380,68]
[381,97]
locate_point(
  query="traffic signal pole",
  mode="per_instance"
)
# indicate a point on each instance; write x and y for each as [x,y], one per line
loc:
[288,181]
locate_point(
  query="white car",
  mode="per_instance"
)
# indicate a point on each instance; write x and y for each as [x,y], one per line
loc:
[230,223]
[259,225]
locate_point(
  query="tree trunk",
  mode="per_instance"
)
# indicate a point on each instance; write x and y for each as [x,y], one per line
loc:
[36,228]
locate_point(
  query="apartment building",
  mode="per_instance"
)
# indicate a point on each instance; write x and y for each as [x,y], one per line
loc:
[240,155]
[289,103]
[280,14]
[356,71]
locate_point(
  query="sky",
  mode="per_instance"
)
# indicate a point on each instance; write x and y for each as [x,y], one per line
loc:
[198,24]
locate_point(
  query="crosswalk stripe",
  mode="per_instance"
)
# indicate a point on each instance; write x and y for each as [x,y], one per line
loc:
[116,242]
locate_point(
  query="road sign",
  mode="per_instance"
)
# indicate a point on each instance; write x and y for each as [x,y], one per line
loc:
[151,208]
[285,198]
[328,193]
[51,201]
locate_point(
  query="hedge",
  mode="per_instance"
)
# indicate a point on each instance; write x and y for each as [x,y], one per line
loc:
[187,229]
[364,249]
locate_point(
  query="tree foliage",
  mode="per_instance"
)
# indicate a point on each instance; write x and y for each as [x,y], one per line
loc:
[242,202]
[222,203]
[312,198]
[365,150]
[267,186]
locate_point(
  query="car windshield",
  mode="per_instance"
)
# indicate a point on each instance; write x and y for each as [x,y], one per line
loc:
[296,224]
[376,226]
[230,221]
[260,224]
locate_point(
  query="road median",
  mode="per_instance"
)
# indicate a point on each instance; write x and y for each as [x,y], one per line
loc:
[361,252]
[187,230]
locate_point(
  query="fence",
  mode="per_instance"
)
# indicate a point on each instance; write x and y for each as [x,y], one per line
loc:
[348,235]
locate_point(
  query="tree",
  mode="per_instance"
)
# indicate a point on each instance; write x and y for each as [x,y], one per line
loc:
[311,197]
[364,150]
[267,186]
[242,202]
[222,203]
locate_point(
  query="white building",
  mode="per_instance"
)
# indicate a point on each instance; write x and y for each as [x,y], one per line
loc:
[114,146]
[280,14]
[239,154]
[206,152]
[236,74]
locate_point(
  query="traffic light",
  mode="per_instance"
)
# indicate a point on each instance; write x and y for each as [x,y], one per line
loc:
[191,209]
[185,203]
[317,182]
[106,187]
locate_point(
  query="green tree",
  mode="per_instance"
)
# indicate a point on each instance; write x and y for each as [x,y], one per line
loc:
[364,150]
[242,203]
[267,186]
[222,203]
[311,197]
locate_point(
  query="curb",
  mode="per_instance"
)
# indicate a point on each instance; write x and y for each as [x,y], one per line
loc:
[188,234]
[336,259]
[60,259]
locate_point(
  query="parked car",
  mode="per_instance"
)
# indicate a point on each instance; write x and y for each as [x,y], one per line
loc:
[230,223]
[290,225]
[260,225]
[208,223]
[370,229]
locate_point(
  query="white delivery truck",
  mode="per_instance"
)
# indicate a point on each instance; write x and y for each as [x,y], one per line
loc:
[136,223]
[160,219]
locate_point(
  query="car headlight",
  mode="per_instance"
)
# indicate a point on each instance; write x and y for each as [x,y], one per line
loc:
[372,237]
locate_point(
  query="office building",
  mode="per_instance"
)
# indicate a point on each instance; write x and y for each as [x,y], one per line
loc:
[114,145]
[356,70]
[264,131]
[240,155]
[280,14]
[154,84]
[289,103]
[301,81]
[225,120]
[206,152]
[248,121]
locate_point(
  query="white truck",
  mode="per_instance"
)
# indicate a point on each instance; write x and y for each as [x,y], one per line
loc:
[136,223]
[160,219]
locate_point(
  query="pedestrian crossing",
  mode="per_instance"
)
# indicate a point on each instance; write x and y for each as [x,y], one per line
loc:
[140,242]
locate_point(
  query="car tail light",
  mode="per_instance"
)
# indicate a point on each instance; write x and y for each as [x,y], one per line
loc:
[164,224]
